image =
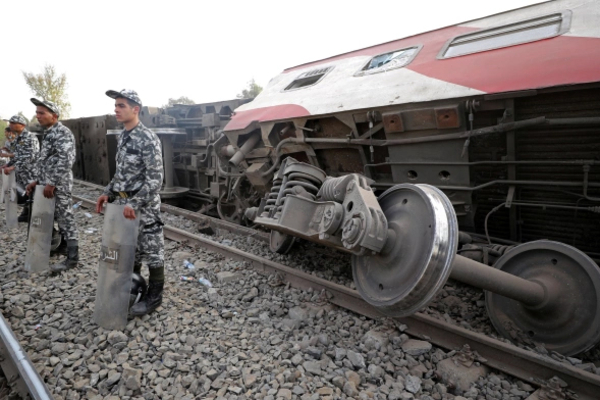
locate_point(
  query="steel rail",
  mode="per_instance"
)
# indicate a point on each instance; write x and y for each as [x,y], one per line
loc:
[18,369]
[508,358]
[214,223]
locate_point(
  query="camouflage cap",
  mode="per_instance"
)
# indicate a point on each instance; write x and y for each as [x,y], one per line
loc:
[48,104]
[18,119]
[126,93]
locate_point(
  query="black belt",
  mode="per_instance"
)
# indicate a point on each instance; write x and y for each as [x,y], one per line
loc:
[125,195]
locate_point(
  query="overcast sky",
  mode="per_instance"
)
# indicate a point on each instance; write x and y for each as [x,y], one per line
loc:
[205,50]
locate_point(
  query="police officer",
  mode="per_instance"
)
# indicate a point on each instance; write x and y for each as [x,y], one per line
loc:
[7,150]
[137,182]
[53,169]
[26,150]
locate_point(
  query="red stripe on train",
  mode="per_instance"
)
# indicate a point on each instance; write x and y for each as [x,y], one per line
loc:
[242,119]
[562,60]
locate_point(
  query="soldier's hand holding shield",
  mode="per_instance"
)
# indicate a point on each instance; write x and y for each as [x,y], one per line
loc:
[30,188]
[129,212]
[100,203]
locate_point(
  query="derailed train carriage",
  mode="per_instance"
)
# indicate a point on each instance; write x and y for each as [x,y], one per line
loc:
[490,127]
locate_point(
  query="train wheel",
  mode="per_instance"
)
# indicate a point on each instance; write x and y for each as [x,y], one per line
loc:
[417,259]
[229,211]
[280,242]
[569,323]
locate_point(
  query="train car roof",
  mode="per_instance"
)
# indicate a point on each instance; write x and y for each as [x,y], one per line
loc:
[364,49]
[547,44]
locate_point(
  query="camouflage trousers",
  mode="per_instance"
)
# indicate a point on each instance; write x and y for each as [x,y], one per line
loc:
[151,241]
[23,178]
[63,214]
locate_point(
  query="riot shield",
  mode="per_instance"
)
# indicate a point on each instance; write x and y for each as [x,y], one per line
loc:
[4,187]
[40,232]
[119,240]
[10,200]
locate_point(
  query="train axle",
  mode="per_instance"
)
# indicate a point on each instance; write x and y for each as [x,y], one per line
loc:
[404,248]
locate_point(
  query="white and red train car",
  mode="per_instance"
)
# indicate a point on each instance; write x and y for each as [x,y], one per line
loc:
[501,113]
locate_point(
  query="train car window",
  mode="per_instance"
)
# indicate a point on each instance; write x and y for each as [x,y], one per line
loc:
[308,78]
[513,34]
[388,61]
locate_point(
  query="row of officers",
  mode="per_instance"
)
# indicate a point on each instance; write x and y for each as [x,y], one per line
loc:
[136,183]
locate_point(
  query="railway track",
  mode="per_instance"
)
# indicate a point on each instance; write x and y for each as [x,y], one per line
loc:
[20,373]
[204,220]
[512,360]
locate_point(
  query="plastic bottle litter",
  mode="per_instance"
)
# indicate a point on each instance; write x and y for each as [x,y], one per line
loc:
[88,215]
[90,230]
[205,282]
[202,280]
[188,264]
[77,205]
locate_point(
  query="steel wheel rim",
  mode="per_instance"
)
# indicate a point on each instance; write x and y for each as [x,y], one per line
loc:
[414,278]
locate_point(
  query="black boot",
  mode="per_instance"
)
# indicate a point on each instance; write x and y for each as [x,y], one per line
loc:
[72,258]
[150,302]
[24,217]
[137,268]
[22,198]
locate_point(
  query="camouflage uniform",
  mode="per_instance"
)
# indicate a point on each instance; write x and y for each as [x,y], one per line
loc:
[8,145]
[137,183]
[26,148]
[54,167]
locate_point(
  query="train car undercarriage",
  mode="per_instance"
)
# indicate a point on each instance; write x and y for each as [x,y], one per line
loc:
[416,193]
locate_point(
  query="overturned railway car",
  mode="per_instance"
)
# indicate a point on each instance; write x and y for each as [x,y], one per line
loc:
[501,110]
[426,157]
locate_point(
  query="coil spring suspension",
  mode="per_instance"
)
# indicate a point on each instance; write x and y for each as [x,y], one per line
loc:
[328,190]
[299,183]
[273,194]
[296,178]
[492,252]
[485,253]
[499,249]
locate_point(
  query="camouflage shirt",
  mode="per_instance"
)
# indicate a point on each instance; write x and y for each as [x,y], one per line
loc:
[139,166]
[56,159]
[10,146]
[26,150]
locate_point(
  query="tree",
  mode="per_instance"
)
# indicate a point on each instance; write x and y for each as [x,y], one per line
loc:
[251,92]
[180,100]
[3,125]
[51,86]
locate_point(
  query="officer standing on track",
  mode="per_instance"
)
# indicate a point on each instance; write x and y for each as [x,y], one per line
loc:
[54,170]
[26,150]
[137,182]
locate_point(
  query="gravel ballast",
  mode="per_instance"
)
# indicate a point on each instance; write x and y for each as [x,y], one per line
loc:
[248,337]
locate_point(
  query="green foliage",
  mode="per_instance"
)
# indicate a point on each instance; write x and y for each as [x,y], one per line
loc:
[49,85]
[3,124]
[180,100]
[251,92]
